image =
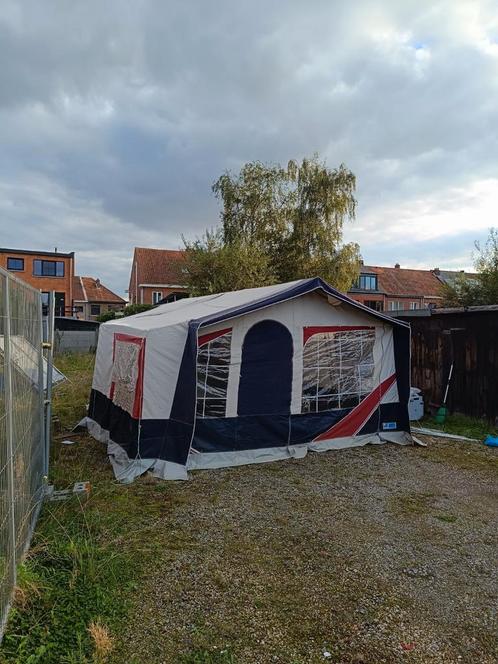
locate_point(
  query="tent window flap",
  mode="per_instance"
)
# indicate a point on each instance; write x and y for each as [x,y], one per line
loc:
[213,363]
[127,373]
[338,369]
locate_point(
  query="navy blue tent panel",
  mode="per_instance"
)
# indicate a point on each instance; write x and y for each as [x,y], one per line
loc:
[265,385]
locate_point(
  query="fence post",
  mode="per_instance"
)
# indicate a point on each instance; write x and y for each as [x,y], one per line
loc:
[41,379]
[50,364]
[9,407]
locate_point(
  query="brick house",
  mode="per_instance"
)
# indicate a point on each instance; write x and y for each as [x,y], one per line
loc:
[397,289]
[46,271]
[91,298]
[156,274]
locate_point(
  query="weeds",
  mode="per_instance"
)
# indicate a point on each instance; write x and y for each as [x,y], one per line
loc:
[69,580]
[447,518]
[208,657]
[103,641]
[74,588]
[461,425]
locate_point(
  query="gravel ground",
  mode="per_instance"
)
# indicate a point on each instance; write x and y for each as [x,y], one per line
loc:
[375,554]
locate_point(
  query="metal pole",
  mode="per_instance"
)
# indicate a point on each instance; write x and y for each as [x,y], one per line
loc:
[41,381]
[9,407]
[50,359]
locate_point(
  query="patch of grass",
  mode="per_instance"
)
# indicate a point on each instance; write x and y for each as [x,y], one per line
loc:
[87,557]
[208,657]
[461,425]
[463,455]
[70,398]
[415,503]
[85,563]
[71,580]
[447,518]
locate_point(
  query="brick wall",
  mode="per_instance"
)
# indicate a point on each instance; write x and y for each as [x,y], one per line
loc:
[58,284]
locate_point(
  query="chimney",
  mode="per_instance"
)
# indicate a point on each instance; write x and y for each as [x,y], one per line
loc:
[437,271]
[397,266]
[97,283]
[55,250]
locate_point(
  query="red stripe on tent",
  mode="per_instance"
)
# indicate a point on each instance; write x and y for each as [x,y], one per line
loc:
[310,331]
[206,338]
[353,421]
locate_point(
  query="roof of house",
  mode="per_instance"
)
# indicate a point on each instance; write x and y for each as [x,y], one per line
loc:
[30,252]
[88,289]
[450,276]
[162,267]
[397,281]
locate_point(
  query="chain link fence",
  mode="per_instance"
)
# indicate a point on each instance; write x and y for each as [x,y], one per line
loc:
[22,449]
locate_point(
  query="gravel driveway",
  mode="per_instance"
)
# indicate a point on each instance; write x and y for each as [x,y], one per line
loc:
[375,554]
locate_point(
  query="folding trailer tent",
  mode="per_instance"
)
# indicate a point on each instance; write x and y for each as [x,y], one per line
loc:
[249,376]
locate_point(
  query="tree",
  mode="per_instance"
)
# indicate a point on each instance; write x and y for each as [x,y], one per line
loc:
[482,289]
[214,266]
[129,310]
[277,224]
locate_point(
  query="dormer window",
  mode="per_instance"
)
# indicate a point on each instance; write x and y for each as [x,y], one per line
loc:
[366,282]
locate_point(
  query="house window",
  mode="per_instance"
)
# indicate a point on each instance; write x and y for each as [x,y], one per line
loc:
[213,363]
[173,297]
[78,309]
[95,310]
[413,305]
[157,296]
[338,369]
[396,306]
[376,305]
[59,303]
[48,268]
[15,264]
[366,282]
[44,299]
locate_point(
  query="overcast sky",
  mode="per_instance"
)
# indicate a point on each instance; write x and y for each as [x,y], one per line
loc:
[116,117]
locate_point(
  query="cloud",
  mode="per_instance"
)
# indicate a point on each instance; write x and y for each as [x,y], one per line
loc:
[115,119]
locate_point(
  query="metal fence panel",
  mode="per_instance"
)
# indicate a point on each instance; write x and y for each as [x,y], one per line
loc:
[22,447]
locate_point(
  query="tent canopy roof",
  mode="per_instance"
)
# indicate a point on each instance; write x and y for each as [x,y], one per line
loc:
[210,309]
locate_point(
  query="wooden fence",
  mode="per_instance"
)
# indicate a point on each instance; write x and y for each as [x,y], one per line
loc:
[469,339]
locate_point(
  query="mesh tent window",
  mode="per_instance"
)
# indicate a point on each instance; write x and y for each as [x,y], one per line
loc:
[338,368]
[213,364]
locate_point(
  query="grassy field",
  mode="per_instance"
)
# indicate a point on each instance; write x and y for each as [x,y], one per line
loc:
[378,554]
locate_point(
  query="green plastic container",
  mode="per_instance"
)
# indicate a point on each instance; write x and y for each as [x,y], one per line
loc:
[441,415]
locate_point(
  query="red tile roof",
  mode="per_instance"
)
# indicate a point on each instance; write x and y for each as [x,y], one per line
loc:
[162,267]
[88,289]
[402,281]
[78,293]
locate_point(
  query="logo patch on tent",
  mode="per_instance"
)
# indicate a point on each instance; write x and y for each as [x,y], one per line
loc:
[389,426]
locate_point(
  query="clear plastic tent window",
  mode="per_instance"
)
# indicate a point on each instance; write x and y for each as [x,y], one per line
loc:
[127,374]
[338,369]
[213,364]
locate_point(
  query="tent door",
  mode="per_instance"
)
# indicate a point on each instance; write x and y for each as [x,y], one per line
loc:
[265,385]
